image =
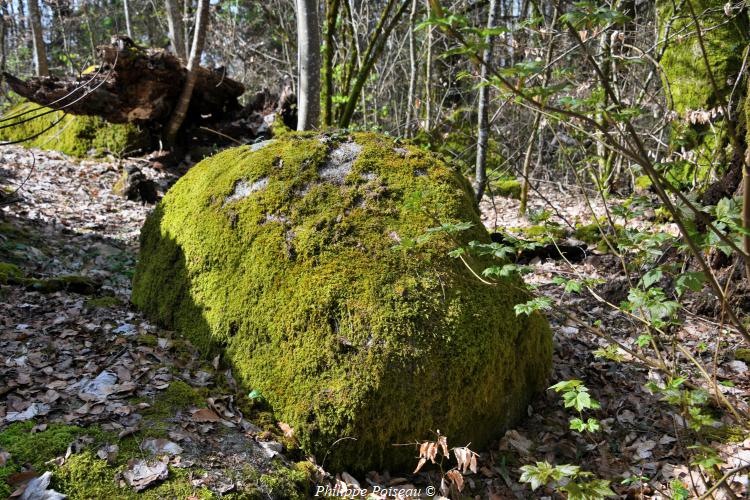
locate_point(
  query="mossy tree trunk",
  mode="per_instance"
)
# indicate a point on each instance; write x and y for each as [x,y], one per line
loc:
[702,61]
[332,15]
[372,53]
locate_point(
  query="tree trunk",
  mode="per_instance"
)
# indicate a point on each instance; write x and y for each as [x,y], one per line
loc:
[2,36]
[308,65]
[411,114]
[332,14]
[40,53]
[199,37]
[428,82]
[128,29]
[89,29]
[483,132]
[374,49]
[176,28]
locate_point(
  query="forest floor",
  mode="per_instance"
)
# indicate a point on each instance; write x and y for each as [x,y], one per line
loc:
[140,399]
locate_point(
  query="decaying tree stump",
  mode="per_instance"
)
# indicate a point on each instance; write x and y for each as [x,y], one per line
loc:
[134,85]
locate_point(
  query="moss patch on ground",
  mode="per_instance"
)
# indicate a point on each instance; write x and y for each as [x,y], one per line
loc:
[284,255]
[10,273]
[74,135]
[507,188]
[85,476]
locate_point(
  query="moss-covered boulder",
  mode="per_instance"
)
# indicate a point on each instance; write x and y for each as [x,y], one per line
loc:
[74,135]
[294,255]
[687,80]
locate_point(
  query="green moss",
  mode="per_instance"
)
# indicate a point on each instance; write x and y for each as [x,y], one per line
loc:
[103,302]
[592,234]
[84,476]
[36,448]
[10,273]
[689,80]
[288,483]
[725,433]
[179,396]
[543,232]
[508,188]
[742,355]
[342,334]
[146,339]
[33,448]
[689,84]
[75,135]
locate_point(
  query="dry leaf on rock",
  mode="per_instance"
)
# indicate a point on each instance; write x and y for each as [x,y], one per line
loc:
[37,489]
[99,388]
[108,453]
[205,415]
[32,411]
[161,446]
[272,448]
[142,474]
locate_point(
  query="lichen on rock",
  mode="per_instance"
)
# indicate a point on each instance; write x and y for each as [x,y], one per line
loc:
[357,345]
[75,135]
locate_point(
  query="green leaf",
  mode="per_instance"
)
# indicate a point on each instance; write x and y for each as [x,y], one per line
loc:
[643,340]
[536,304]
[566,385]
[690,281]
[652,277]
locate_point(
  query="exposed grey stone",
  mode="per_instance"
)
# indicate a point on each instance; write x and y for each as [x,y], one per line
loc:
[340,162]
[242,189]
[261,145]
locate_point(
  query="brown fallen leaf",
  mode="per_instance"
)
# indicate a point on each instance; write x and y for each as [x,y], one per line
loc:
[205,415]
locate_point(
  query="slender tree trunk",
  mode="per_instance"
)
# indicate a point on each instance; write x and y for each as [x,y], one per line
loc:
[428,82]
[308,65]
[199,38]
[483,132]
[176,28]
[126,7]
[374,49]
[536,129]
[40,53]
[526,169]
[186,7]
[3,30]
[332,14]
[410,101]
[90,29]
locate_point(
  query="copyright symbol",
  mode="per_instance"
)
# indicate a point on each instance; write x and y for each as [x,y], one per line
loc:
[430,490]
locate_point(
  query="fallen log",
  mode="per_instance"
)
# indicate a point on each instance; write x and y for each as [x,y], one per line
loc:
[134,85]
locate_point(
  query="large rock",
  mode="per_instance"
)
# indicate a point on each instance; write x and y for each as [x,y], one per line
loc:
[287,253]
